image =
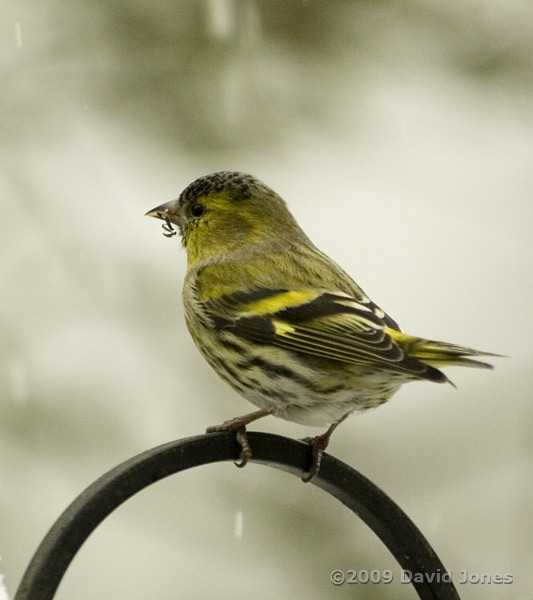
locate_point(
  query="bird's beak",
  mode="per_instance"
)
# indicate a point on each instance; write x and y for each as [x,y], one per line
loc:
[170,211]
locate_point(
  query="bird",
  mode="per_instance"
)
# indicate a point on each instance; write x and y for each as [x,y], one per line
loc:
[281,322]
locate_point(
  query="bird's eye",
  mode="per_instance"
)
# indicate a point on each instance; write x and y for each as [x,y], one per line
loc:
[197,210]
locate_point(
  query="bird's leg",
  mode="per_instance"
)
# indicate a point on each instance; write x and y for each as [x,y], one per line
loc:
[238,425]
[318,444]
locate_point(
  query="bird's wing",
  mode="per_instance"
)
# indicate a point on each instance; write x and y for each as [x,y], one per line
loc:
[323,323]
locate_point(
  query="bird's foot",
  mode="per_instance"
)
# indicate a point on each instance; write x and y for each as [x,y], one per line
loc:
[318,445]
[238,425]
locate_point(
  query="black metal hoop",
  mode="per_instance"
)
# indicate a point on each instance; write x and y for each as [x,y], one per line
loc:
[91,507]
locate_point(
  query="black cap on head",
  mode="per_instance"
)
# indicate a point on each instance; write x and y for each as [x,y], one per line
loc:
[239,185]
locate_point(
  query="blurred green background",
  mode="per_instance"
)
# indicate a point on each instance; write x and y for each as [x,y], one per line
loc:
[400,133]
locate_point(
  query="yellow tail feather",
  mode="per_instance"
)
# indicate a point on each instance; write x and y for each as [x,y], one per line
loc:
[439,354]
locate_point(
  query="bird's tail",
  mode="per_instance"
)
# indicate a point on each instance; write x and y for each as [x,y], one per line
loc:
[439,354]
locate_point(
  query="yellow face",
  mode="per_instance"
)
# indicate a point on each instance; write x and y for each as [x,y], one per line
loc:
[219,213]
[212,224]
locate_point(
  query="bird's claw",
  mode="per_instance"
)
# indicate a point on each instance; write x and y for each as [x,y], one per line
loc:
[318,445]
[246,450]
[238,425]
[240,436]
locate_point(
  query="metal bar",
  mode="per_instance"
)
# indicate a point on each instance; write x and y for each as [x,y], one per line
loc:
[91,507]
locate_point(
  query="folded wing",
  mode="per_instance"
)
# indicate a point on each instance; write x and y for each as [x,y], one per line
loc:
[330,325]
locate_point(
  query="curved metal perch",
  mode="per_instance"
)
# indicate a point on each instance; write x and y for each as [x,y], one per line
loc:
[91,507]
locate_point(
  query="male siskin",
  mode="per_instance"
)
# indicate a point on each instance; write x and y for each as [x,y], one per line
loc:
[280,321]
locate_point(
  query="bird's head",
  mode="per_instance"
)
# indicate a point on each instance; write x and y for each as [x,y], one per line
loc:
[218,213]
